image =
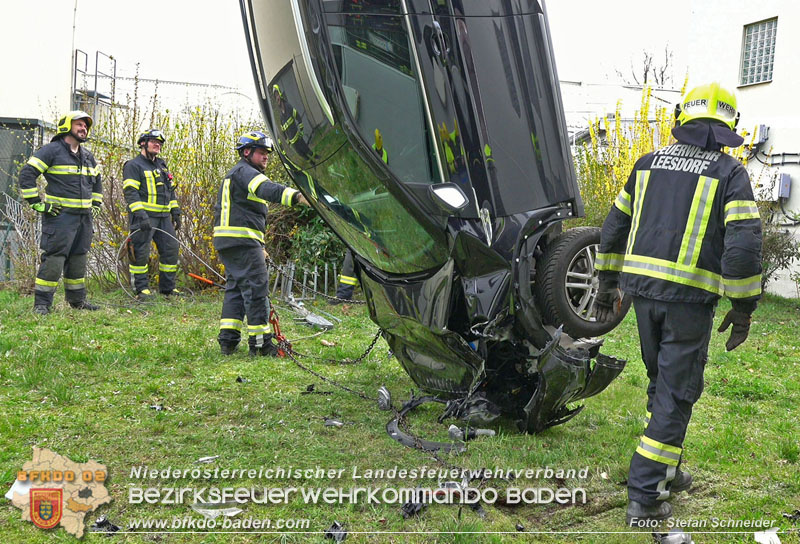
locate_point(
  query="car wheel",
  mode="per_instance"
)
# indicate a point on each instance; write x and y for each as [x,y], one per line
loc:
[566,284]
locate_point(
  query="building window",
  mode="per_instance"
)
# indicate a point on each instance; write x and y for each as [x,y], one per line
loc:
[758,52]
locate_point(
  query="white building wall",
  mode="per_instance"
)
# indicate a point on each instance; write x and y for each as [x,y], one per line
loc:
[36,62]
[717,28]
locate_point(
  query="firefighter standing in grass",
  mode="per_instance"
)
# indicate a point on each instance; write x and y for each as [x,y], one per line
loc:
[683,231]
[240,217]
[72,198]
[150,195]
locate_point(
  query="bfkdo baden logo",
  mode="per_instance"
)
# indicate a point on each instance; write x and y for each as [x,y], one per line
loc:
[46,507]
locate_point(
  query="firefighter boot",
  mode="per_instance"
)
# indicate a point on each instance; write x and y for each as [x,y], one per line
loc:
[228,348]
[84,305]
[41,309]
[682,482]
[639,513]
[268,349]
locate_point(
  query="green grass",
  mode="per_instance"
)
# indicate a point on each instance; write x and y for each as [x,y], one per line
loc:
[82,384]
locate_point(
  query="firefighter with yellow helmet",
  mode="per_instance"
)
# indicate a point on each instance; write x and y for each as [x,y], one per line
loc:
[72,197]
[683,231]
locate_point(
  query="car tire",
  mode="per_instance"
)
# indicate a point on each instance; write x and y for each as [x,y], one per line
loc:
[565,286]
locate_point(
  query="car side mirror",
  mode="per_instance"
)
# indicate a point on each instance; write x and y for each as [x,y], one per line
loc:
[448,196]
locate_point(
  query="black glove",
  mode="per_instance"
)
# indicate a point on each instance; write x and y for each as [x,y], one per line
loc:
[741,328]
[49,208]
[607,303]
[176,219]
[141,221]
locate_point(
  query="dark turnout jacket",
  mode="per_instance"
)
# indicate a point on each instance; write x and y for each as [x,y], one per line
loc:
[73,179]
[685,227]
[240,214]
[148,186]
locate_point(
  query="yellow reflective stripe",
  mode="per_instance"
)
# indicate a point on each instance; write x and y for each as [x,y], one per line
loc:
[738,210]
[66,169]
[287,195]
[609,261]
[658,451]
[225,212]
[173,204]
[697,222]
[742,288]
[642,179]
[45,283]
[167,267]
[38,164]
[136,206]
[30,193]
[238,232]
[235,324]
[666,448]
[255,183]
[348,280]
[74,284]
[648,416]
[69,202]
[623,202]
[155,207]
[137,269]
[97,197]
[132,183]
[150,181]
[253,330]
[674,272]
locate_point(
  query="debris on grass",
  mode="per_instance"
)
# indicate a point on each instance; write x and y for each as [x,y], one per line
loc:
[331,422]
[213,510]
[336,532]
[102,525]
[207,459]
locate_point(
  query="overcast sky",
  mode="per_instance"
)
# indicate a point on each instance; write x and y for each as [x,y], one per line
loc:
[203,41]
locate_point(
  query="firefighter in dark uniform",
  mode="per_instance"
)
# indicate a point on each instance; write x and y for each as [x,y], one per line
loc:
[683,231]
[348,280]
[72,197]
[150,194]
[291,124]
[240,217]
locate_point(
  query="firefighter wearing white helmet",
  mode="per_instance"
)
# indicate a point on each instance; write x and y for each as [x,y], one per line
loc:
[240,222]
[683,231]
[71,199]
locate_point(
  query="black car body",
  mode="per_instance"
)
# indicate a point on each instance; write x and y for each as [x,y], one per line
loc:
[429,135]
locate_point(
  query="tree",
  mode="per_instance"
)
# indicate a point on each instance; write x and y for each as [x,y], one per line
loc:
[649,71]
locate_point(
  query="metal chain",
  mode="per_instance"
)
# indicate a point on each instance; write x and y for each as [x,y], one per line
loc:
[342,361]
[291,353]
[307,288]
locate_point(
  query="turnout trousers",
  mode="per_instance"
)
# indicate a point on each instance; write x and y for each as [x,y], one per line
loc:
[347,278]
[246,288]
[167,247]
[65,242]
[674,337]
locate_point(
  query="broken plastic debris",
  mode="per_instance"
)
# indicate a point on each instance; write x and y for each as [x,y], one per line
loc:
[456,433]
[336,532]
[20,488]
[157,407]
[207,459]
[239,379]
[768,537]
[213,510]
[793,517]
[330,422]
[604,475]
[327,343]
[520,527]
[384,399]
[102,525]
[411,509]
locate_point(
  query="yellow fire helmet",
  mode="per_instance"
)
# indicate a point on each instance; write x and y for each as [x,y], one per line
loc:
[65,123]
[709,101]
